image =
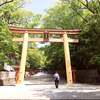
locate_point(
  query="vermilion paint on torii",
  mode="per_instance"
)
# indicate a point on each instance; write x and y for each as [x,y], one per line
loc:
[20,30]
[64,38]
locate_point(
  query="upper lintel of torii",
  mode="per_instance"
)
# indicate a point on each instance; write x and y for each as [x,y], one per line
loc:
[19,30]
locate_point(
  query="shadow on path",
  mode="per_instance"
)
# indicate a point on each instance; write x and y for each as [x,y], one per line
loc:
[41,87]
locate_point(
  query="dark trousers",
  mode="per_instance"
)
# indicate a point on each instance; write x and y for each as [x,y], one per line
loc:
[56,83]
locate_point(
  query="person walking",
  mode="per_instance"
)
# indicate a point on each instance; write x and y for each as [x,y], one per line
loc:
[56,79]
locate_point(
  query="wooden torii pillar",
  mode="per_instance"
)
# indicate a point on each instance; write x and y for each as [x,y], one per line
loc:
[67,60]
[26,39]
[23,60]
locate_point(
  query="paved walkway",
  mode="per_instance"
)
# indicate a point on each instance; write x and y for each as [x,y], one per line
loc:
[41,87]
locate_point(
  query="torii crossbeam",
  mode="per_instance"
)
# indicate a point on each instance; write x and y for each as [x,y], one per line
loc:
[46,32]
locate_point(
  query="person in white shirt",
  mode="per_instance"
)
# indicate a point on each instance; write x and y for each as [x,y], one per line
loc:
[56,79]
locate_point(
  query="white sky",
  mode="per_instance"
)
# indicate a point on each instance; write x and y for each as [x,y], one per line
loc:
[39,6]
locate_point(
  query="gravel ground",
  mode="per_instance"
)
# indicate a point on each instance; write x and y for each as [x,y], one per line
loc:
[41,87]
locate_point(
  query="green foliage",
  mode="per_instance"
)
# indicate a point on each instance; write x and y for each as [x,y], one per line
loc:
[36,58]
[88,51]
[59,17]
[83,14]
[67,14]
[12,14]
[64,17]
[6,44]
[55,56]
[90,42]
[25,18]
[15,15]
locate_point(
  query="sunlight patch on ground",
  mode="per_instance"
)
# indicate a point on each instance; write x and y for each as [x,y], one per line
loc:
[41,74]
[27,82]
[21,92]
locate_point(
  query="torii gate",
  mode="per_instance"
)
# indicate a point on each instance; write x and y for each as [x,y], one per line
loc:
[47,38]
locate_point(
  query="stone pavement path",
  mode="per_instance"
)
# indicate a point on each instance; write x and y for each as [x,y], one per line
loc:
[41,87]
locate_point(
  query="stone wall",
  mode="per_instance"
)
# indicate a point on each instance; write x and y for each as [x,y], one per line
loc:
[7,78]
[86,76]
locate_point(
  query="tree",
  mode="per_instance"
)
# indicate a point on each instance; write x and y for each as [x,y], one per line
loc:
[7,46]
[24,18]
[11,13]
[9,51]
[2,2]
[88,49]
[55,56]
[60,16]
[36,58]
